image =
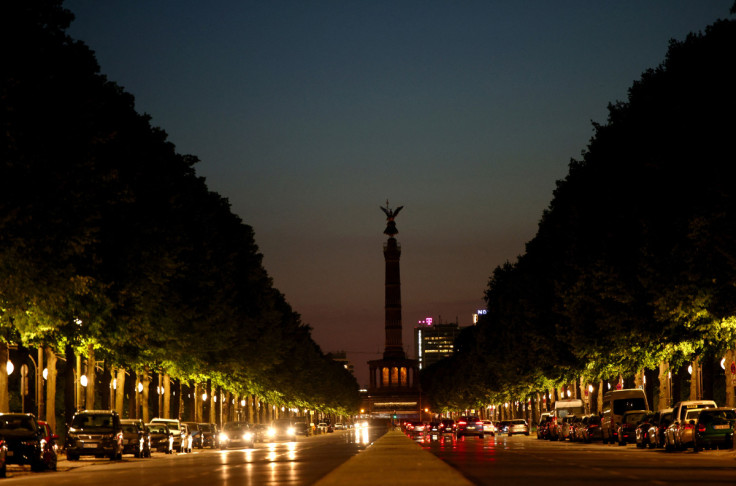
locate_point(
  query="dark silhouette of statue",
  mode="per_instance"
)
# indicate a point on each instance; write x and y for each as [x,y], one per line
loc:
[390,215]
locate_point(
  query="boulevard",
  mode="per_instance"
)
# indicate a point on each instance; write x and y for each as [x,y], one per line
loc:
[279,463]
[526,460]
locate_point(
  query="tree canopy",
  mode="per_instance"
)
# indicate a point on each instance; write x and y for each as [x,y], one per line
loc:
[634,260]
[108,236]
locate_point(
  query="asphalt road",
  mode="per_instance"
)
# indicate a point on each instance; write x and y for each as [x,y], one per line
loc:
[527,461]
[297,463]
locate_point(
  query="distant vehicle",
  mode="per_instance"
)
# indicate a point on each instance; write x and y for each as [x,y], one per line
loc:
[543,426]
[162,439]
[26,442]
[489,428]
[236,434]
[196,434]
[447,426]
[95,433]
[174,426]
[518,426]
[615,404]
[416,428]
[644,428]
[469,425]
[186,438]
[209,435]
[715,428]
[136,439]
[284,428]
[626,432]
[591,428]
[565,427]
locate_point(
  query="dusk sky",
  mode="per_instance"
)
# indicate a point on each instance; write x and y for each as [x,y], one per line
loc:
[308,116]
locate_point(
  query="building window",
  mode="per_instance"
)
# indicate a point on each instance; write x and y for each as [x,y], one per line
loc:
[384,377]
[404,382]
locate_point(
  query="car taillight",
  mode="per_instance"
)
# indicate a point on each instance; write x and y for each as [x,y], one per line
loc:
[701,428]
[479,424]
[461,423]
[688,426]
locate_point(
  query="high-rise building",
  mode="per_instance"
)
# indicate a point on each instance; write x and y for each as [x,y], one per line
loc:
[434,340]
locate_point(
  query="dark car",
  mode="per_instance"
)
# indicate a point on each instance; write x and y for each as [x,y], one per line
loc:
[26,442]
[469,425]
[447,426]
[592,428]
[162,438]
[715,428]
[543,426]
[3,457]
[236,434]
[52,442]
[95,433]
[208,435]
[645,428]
[196,434]
[626,432]
[136,439]
[260,432]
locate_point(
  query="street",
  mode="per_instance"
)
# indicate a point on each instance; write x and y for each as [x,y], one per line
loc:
[280,463]
[527,460]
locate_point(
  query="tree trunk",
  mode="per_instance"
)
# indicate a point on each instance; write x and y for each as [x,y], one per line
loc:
[70,385]
[730,378]
[120,391]
[695,377]
[600,396]
[89,398]
[132,395]
[106,387]
[665,389]
[167,396]
[50,387]
[4,394]
[145,410]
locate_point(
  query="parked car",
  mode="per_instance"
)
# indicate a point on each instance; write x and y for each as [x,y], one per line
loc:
[564,427]
[162,438]
[679,411]
[469,425]
[644,428]
[658,428]
[52,440]
[518,426]
[25,442]
[236,434]
[715,428]
[503,426]
[195,433]
[95,433]
[578,426]
[209,435]
[543,426]
[136,439]
[626,433]
[592,428]
[679,434]
[174,426]
[3,457]
[186,438]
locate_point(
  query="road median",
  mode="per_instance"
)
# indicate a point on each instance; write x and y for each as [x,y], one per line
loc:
[394,459]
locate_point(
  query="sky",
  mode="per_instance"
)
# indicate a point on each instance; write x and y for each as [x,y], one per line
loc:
[311,115]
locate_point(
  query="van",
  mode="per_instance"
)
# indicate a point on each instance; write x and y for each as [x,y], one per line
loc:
[615,404]
[563,408]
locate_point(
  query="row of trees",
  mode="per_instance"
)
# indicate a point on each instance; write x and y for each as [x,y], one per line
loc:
[634,261]
[112,247]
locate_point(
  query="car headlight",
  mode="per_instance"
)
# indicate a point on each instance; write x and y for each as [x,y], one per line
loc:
[271,432]
[247,437]
[291,431]
[223,437]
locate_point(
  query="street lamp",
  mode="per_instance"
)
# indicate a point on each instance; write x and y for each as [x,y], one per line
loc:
[10,367]
[83,380]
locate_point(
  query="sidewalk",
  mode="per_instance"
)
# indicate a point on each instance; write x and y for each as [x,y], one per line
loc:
[396,460]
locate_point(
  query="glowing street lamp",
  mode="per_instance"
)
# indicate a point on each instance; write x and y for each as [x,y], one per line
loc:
[10,367]
[83,380]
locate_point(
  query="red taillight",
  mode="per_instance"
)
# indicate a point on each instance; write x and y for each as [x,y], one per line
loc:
[479,424]
[701,428]
[592,426]
[461,423]
[688,426]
